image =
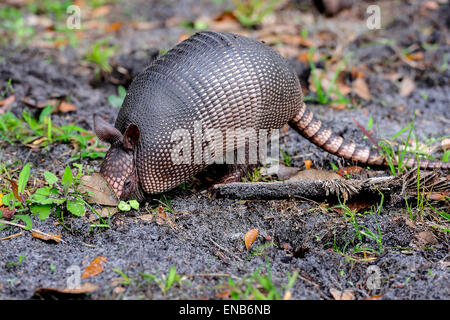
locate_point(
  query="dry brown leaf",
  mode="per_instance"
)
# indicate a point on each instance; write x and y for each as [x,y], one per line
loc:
[84,288]
[114,27]
[438,196]
[144,25]
[100,191]
[350,170]
[46,237]
[338,106]
[342,295]
[428,237]
[250,237]
[94,268]
[59,105]
[407,87]
[297,40]
[308,164]
[6,103]
[65,107]
[223,294]
[7,213]
[430,5]
[377,297]
[100,11]
[415,56]
[361,88]
[118,290]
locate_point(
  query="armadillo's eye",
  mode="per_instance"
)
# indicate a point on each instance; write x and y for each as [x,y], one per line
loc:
[127,184]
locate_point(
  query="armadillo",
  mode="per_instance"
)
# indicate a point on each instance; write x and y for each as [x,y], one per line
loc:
[220,80]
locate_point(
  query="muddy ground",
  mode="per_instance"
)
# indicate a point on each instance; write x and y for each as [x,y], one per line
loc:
[203,236]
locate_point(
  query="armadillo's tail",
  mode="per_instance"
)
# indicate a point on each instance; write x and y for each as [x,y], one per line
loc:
[311,128]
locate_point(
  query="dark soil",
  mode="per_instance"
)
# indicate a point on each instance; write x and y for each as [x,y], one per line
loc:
[203,236]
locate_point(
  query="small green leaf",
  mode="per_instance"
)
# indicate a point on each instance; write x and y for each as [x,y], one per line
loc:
[25,218]
[76,207]
[171,277]
[42,210]
[370,123]
[50,178]
[134,204]
[124,206]
[67,177]
[23,178]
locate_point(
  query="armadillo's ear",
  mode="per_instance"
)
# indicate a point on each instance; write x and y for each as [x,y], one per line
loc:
[105,131]
[131,136]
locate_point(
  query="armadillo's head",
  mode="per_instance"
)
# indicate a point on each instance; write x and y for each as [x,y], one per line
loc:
[119,167]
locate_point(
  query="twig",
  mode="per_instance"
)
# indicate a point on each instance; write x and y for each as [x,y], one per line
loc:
[12,236]
[32,230]
[225,249]
[367,134]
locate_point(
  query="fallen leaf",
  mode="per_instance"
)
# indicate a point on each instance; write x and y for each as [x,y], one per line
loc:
[1,197]
[144,25]
[378,296]
[415,56]
[118,290]
[6,103]
[100,11]
[308,164]
[113,27]
[349,170]
[7,213]
[15,190]
[47,237]
[342,295]
[223,294]
[59,105]
[297,40]
[51,292]
[407,87]
[250,237]
[428,237]
[430,5]
[99,190]
[65,107]
[94,268]
[438,196]
[361,88]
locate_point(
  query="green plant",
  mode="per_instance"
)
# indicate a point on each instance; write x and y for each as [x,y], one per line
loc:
[116,101]
[259,286]
[126,279]
[16,263]
[127,205]
[99,54]
[59,195]
[324,96]
[360,232]
[286,158]
[13,26]
[8,89]
[41,132]
[165,282]
[251,12]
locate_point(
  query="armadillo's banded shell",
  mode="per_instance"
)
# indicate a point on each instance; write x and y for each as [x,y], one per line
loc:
[225,81]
